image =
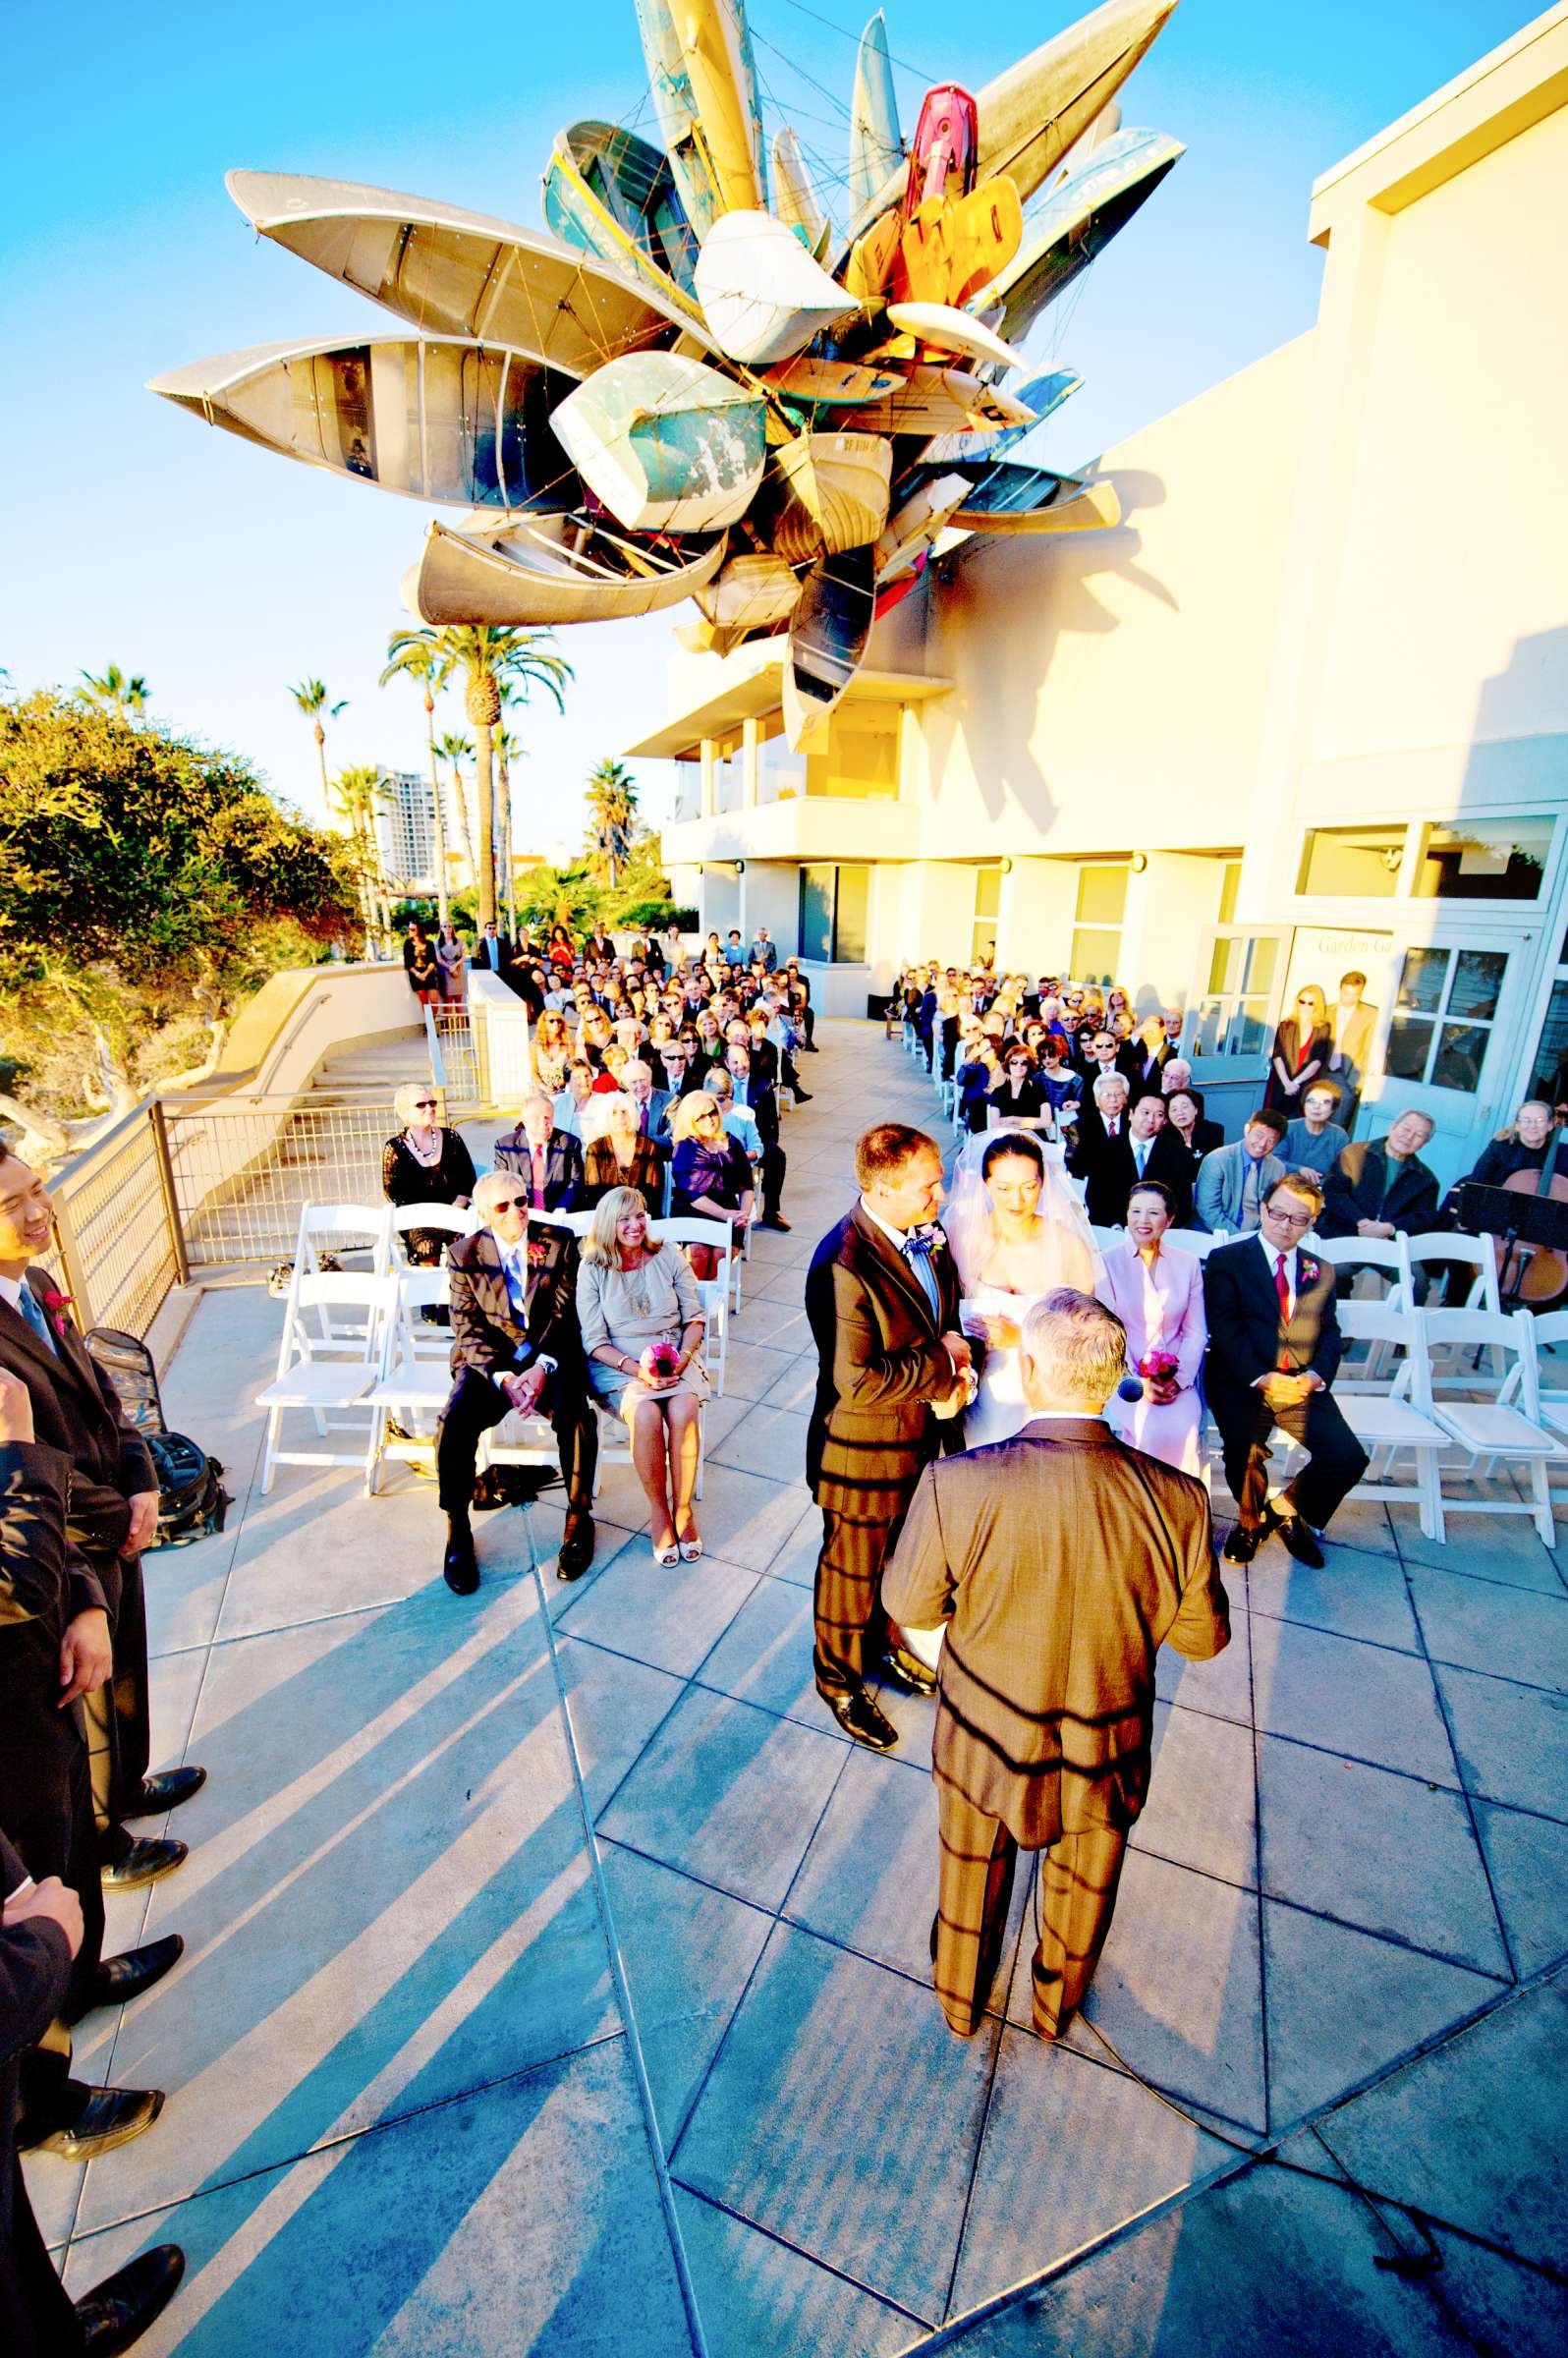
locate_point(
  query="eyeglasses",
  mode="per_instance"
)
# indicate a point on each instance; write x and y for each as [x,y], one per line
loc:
[1290,1220]
[700,1120]
[509,1203]
[425,1104]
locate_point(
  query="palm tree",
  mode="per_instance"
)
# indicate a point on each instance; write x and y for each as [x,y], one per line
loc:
[611,798]
[126,697]
[417,655]
[311,698]
[507,748]
[456,750]
[356,796]
[490,658]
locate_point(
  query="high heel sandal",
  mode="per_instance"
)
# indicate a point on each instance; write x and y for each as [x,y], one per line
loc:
[691,1547]
[667,1555]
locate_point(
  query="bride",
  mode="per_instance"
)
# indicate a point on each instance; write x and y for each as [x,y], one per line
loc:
[1018,1231]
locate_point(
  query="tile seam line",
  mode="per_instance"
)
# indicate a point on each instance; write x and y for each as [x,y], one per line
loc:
[623,1993]
[727,2210]
[1265,2044]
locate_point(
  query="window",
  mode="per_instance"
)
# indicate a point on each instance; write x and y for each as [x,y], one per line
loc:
[1443,1016]
[780,775]
[1233,1013]
[1495,860]
[1097,933]
[832,920]
[988,909]
[727,773]
[860,762]
[1550,1074]
[1362,863]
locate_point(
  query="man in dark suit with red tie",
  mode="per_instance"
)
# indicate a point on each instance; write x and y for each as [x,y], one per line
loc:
[881,1296]
[1059,1562]
[548,1160]
[1274,1352]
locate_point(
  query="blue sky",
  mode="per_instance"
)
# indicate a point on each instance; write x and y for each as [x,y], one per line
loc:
[136,535]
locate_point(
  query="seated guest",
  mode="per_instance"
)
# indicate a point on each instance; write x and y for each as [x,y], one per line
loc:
[1018,1096]
[1100,1155]
[1099,1051]
[1158,1296]
[515,1344]
[593,1036]
[1159,1155]
[1303,1045]
[1185,1129]
[548,1160]
[620,1157]
[1315,1140]
[651,1102]
[1380,1187]
[425,1164]
[1177,1073]
[680,1075]
[571,1100]
[607,1080]
[1233,1180]
[749,1093]
[710,1175]
[1060,1086]
[1274,1352]
[642,1319]
[739,1121]
[976,1080]
[1522,1147]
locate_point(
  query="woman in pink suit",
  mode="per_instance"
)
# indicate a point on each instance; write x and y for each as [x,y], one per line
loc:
[1158,1296]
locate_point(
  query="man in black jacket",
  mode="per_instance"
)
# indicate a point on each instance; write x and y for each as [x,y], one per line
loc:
[515,1344]
[1274,1352]
[548,1160]
[1380,1187]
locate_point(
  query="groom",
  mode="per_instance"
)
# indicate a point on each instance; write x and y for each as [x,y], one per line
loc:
[881,1296]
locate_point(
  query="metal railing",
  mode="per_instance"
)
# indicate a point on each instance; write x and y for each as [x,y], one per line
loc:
[459,1063]
[119,1249]
[242,1169]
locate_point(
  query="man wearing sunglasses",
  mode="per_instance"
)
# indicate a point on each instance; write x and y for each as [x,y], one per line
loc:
[515,1344]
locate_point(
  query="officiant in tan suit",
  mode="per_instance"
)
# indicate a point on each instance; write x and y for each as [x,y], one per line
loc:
[1060,1561]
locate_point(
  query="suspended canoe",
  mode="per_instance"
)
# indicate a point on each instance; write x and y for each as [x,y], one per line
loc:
[876,148]
[614,195]
[432,418]
[558,569]
[668,444]
[826,492]
[762,296]
[906,537]
[1039,394]
[450,272]
[794,197]
[703,81]
[1077,220]
[828,635]
[1032,114]
[1009,499]
[833,384]
[941,401]
[945,329]
[751,594]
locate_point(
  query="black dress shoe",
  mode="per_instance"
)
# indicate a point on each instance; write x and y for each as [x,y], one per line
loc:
[906,1671]
[576,1552]
[1244,1542]
[143,1863]
[801,1097]
[110,2117]
[115,2314]
[165,1791]
[118,1980]
[858,1717]
[460,1566]
[1301,1541]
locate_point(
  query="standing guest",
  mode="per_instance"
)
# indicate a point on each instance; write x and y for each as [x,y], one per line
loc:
[710,1177]
[1380,1187]
[1159,1155]
[765,953]
[1101,1155]
[1018,1096]
[515,1345]
[642,1319]
[1151,1052]
[757,1096]
[1158,1297]
[1354,1027]
[1233,1180]
[800,1007]
[1303,1046]
[574,1096]
[552,1051]
[452,958]
[882,1300]
[621,1157]
[559,952]
[548,1161]
[492,952]
[1315,1140]
[421,966]
[735,949]
[673,945]
[1060,1562]
[1274,1352]
[425,1162]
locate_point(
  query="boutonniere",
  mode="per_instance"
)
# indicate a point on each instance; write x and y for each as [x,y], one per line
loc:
[57,1306]
[538,1252]
[1309,1268]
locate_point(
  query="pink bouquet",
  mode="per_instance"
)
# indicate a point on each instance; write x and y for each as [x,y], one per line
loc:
[1158,1366]
[664,1359]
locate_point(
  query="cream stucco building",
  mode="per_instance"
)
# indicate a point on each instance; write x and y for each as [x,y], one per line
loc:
[1306,710]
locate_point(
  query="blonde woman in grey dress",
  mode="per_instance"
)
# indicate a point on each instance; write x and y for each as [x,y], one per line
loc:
[642,1318]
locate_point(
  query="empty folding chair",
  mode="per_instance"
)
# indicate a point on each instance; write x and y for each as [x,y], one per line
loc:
[1509,1425]
[1453,1367]
[1199,1242]
[317,1384]
[325,1234]
[414,1379]
[1394,1418]
[448,1218]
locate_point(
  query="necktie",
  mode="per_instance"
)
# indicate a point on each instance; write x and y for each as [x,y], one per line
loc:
[1283,1288]
[1111,1129]
[918,1252]
[538,1178]
[1141,1156]
[29,1306]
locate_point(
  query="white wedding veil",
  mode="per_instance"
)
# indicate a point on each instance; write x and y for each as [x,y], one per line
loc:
[969,1221]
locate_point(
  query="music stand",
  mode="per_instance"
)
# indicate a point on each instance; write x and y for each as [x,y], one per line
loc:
[1516,1220]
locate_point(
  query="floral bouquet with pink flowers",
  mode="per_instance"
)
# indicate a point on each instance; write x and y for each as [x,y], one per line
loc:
[1158,1366]
[664,1362]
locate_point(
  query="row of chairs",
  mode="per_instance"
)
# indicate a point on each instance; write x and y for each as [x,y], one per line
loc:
[358,1354]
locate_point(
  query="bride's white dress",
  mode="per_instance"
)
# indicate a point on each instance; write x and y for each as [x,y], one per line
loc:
[1011,1278]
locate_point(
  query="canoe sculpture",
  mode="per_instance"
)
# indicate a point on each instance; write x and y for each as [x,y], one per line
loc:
[693,387]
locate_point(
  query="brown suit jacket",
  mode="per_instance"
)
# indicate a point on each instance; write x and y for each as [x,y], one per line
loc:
[880,1366]
[1061,1561]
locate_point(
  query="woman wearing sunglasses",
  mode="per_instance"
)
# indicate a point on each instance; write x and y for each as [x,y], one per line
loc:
[709,1175]
[425,1164]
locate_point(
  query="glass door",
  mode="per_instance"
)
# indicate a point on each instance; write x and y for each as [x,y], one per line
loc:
[1453,1041]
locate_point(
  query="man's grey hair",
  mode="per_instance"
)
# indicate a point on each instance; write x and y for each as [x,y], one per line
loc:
[634,1069]
[536,1096]
[1074,1349]
[1108,1082]
[490,1189]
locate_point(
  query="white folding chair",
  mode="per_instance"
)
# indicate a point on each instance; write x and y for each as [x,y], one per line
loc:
[716,1310]
[446,1217]
[415,1376]
[578,1222]
[1388,1255]
[305,1379]
[1552,1332]
[1508,1425]
[1395,1416]
[1104,1238]
[695,1231]
[1451,1370]
[1199,1242]
[338,1228]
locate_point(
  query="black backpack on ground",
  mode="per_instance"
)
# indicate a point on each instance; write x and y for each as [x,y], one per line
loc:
[191,1498]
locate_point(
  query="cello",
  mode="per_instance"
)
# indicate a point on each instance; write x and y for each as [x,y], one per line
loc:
[1540,1279]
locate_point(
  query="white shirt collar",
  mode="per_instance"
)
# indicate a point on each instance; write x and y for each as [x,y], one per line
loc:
[11,1291]
[896,1237]
[1272,1256]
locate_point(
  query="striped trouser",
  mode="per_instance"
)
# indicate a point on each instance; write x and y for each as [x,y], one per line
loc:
[1078,1874]
[851,1626]
[98,1710]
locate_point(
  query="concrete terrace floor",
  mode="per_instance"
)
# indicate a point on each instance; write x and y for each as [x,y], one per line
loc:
[451,2073]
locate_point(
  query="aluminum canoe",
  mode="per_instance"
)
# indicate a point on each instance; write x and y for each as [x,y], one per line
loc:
[555,569]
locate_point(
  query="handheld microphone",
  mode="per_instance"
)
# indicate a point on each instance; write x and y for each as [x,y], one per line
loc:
[1130,1388]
